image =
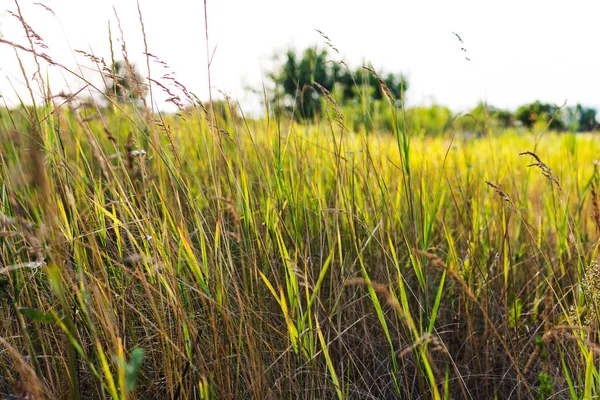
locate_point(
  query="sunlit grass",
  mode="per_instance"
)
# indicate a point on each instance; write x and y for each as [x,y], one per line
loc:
[216,263]
[207,255]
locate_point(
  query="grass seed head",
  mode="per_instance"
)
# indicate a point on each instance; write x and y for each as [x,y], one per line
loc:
[501,193]
[546,171]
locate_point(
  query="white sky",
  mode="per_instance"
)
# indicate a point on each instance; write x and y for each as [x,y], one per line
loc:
[520,50]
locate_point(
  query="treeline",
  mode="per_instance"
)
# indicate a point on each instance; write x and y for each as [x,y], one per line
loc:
[308,85]
[304,83]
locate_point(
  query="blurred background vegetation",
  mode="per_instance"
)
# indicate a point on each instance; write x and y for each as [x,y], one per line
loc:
[358,92]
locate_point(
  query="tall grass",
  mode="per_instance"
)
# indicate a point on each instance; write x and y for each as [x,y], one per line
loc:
[204,256]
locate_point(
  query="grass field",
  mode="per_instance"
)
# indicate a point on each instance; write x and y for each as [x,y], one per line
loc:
[216,259]
[210,256]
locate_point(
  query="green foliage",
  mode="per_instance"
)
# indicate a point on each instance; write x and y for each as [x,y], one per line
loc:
[254,260]
[226,258]
[505,118]
[223,111]
[516,310]
[359,94]
[545,113]
[545,389]
[296,92]
[37,315]
[587,119]
[580,119]
[132,368]
[433,120]
[575,119]
[362,82]
[295,79]
[484,118]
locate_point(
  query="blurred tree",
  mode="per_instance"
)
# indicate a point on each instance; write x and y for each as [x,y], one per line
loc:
[396,83]
[295,90]
[483,118]
[295,78]
[126,83]
[530,114]
[361,82]
[587,119]
[580,119]
[504,117]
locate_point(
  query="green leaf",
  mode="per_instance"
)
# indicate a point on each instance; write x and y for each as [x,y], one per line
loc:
[37,315]
[515,313]
[133,368]
[436,305]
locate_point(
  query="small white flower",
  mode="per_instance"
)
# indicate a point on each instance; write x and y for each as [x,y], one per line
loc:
[29,264]
[138,153]
[34,264]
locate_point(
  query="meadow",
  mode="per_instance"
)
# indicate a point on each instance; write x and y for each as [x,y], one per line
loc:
[207,255]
